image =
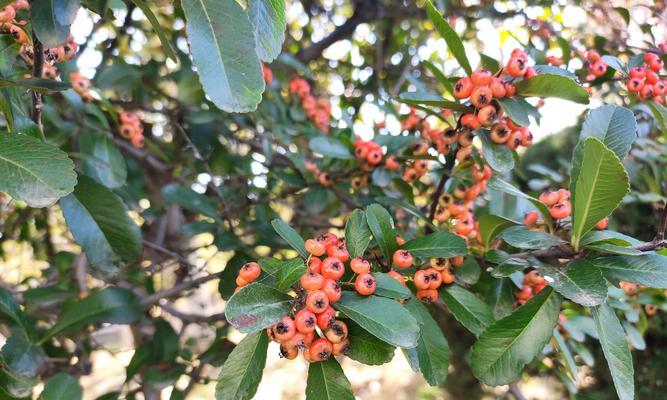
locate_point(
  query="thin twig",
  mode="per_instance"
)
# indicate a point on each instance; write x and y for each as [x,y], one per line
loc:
[37,69]
[515,391]
[177,289]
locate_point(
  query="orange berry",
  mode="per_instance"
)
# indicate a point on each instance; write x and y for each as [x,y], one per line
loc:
[332,290]
[317,301]
[250,271]
[284,330]
[457,261]
[602,225]
[530,218]
[428,295]
[549,198]
[365,284]
[463,88]
[337,332]
[326,318]
[481,96]
[314,247]
[398,277]
[320,350]
[312,281]
[339,252]
[561,210]
[402,258]
[359,265]
[422,279]
[481,77]
[332,268]
[314,265]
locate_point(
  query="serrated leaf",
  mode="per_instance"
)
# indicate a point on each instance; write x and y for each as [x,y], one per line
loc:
[268,20]
[552,85]
[431,356]
[440,76]
[256,307]
[386,319]
[467,308]
[330,147]
[382,227]
[508,345]
[613,249]
[286,273]
[366,348]
[386,286]
[10,310]
[40,85]
[224,53]
[62,387]
[429,99]
[242,371]
[34,172]
[190,200]
[523,238]
[648,269]
[505,187]
[451,38]
[357,234]
[112,305]
[499,157]
[103,161]
[518,110]
[99,222]
[164,40]
[579,281]
[501,298]
[600,187]
[327,381]
[51,20]
[491,225]
[616,351]
[291,236]
[439,244]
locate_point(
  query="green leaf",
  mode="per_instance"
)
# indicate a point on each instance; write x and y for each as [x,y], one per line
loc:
[51,20]
[440,76]
[562,347]
[366,348]
[40,85]
[34,172]
[648,269]
[565,47]
[634,336]
[224,53]
[615,126]
[291,236]
[499,157]
[104,163]
[615,63]
[112,305]
[22,358]
[439,244]
[501,298]
[469,272]
[579,281]
[523,238]
[357,234]
[552,85]
[451,38]
[386,286]
[384,318]
[518,110]
[508,345]
[99,223]
[429,99]
[613,249]
[489,63]
[467,308]
[257,306]
[431,356]
[9,309]
[190,200]
[382,226]
[330,147]
[552,69]
[327,381]
[659,113]
[409,208]
[491,225]
[616,351]
[286,273]
[600,187]
[62,387]
[505,187]
[242,371]
[161,34]
[268,20]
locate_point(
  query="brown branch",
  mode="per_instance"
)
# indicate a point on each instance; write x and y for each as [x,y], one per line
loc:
[435,198]
[192,318]
[515,391]
[659,241]
[37,69]
[176,290]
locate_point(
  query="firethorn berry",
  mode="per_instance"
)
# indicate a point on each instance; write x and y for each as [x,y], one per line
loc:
[314,247]
[332,290]
[326,318]
[514,140]
[332,268]
[481,96]
[463,88]
[447,276]
[374,156]
[466,137]
[398,277]
[420,148]
[652,77]
[339,252]
[481,77]
[240,282]
[599,68]
[361,151]
[402,258]
[449,136]
[428,295]
[341,348]
[486,115]
[289,352]
[365,284]
[441,214]
[516,67]
[473,192]
[317,301]
[391,163]
[629,288]
[650,309]
[464,227]
[530,72]
[637,72]
[312,281]
[410,175]
[422,279]
[592,56]
[434,277]
[325,179]
[359,265]
[399,240]
[445,200]
[539,287]
[463,154]
[250,271]
[561,210]
[457,210]
[328,240]
[284,330]
[439,264]
[530,218]
[602,225]
[320,350]
[305,321]
[532,278]
[563,195]
[314,265]
[337,332]
[498,88]
[421,165]
[549,198]
[500,133]
[525,293]
[457,261]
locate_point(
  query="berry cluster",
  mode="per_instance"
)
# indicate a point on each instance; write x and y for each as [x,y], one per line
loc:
[81,84]
[368,154]
[323,177]
[439,272]
[131,128]
[318,110]
[506,132]
[415,169]
[558,203]
[594,64]
[645,81]
[631,290]
[533,283]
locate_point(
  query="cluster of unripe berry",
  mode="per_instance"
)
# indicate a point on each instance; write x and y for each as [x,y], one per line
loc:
[318,110]
[533,283]
[457,207]
[645,81]
[131,128]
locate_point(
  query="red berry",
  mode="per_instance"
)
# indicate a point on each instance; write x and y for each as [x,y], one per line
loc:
[305,321]
[602,225]
[317,301]
[332,268]
[422,279]
[339,251]
[312,281]
[314,265]
[359,265]
[332,290]
[549,198]
[471,121]
[284,330]
[328,240]
[402,258]
[481,96]
[481,77]
[463,88]
[428,295]
[398,277]
[326,318]
[365,284]
[315,248]
[320,350]
[561,210]
[516,67]
[530,218]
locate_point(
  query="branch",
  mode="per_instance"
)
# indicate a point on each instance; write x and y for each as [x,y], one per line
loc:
[435,198]
[37,69]
[192,318]
[176,290]
[515,391]
[659,241]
